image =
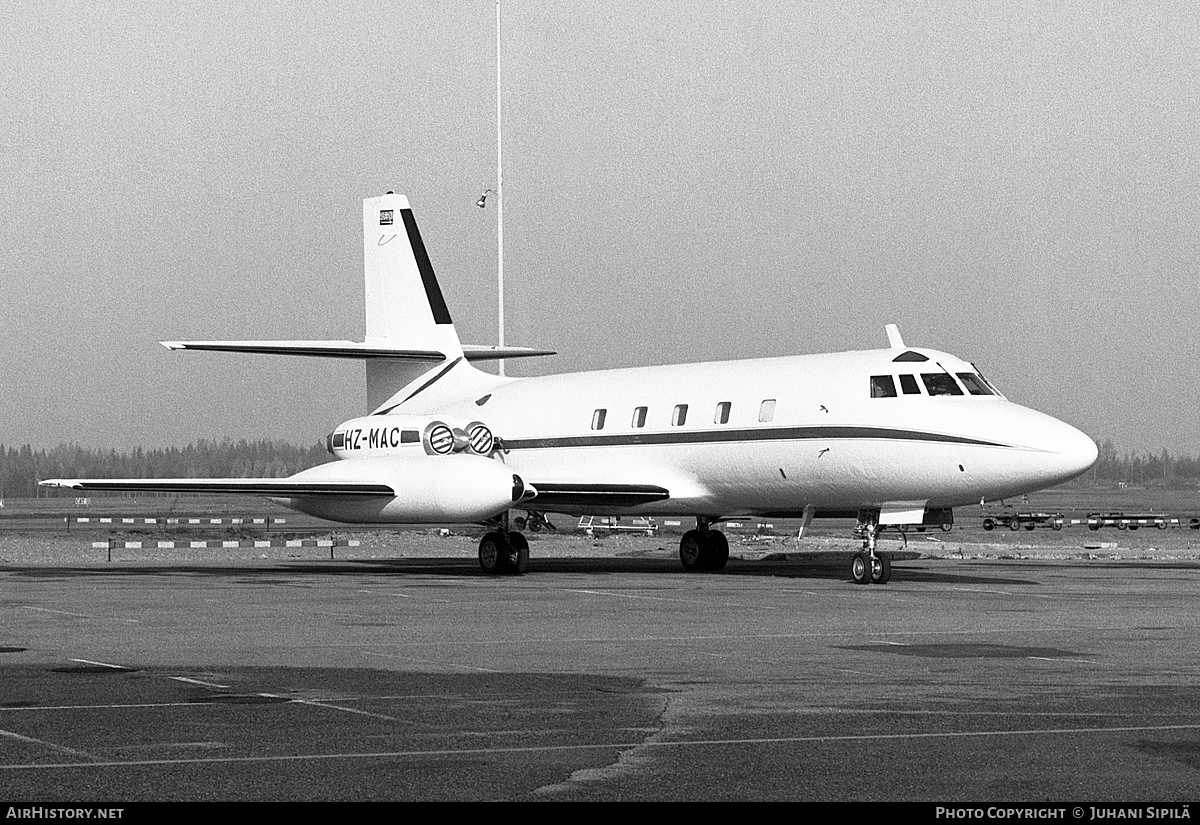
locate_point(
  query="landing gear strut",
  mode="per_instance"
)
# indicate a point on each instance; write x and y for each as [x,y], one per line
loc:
[867,567]
[703,549]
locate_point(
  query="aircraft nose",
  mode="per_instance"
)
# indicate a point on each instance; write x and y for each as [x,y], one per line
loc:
[1073,452]
[1076,451]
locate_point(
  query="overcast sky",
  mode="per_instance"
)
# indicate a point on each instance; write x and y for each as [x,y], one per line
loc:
[1016,183]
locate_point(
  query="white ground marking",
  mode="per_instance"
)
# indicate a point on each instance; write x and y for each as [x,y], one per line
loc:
[43,743]
[198,682]
[319,704]
[102,664]
[403,596]
[665,599]
[699,743]
[79,615]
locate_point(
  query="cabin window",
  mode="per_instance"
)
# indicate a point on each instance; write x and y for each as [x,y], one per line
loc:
[679,416]
[940,383]
[639,417]
[598,419]
[722,414]
[766,411]
[908,383]
[883,386]
[974,384]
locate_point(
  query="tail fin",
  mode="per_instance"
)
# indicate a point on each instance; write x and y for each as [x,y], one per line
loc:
[405,307]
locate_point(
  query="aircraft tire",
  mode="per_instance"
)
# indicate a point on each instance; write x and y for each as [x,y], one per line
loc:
[694,551]
[989,524]
[493,553]
[718,555]
[1014,525]
[1030,526]
[881,570]
[860,569]
[518,554]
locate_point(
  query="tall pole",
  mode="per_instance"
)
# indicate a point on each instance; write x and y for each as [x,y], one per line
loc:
[499,200]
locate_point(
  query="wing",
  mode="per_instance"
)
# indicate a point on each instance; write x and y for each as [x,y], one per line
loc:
[280,487]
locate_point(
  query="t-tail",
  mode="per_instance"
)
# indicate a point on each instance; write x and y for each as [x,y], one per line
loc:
[411,346]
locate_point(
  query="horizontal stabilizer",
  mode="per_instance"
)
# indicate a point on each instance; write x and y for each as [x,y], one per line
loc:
[317,349]
[281,487]
[353,349]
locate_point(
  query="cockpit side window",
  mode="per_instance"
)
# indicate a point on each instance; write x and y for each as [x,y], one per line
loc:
[985,380]
[908,383]
[940,383]
[974,384]
[883,386]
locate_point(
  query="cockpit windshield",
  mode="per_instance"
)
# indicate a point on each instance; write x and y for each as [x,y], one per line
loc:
[974,384]
[933,384]
[940,383]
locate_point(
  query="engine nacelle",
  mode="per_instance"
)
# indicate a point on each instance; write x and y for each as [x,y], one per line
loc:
[407,435]
[454,488]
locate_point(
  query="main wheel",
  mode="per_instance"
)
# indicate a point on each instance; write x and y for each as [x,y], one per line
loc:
[694,551]
[718,550]
[1030,525]
[1014,524]
[493,553]
[518,554]
[860,569]
[881,570]
[989,524]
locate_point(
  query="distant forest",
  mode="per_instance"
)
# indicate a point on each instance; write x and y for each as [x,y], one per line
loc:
[21,467]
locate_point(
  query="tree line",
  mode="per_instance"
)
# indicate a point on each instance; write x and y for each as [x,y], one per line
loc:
[22,467]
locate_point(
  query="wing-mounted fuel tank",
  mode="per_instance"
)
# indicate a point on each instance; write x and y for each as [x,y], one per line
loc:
[406,435]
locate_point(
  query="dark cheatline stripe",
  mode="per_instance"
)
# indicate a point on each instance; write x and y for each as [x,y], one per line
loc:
[763,434]
[437,304]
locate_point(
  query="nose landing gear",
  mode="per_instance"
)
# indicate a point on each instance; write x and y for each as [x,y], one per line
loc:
[867,567]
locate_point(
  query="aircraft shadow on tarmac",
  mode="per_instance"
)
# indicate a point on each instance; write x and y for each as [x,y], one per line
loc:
[468,568]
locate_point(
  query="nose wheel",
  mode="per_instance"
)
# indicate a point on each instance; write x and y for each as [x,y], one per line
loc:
[867,567]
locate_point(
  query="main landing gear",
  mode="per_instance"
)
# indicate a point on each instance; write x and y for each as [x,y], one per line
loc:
[867,567]
[503,553]
[703,549]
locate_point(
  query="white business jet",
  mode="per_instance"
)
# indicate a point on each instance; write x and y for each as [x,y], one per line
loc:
[894,436]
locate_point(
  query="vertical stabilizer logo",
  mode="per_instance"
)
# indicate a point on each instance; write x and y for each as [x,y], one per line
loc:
[385,217]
